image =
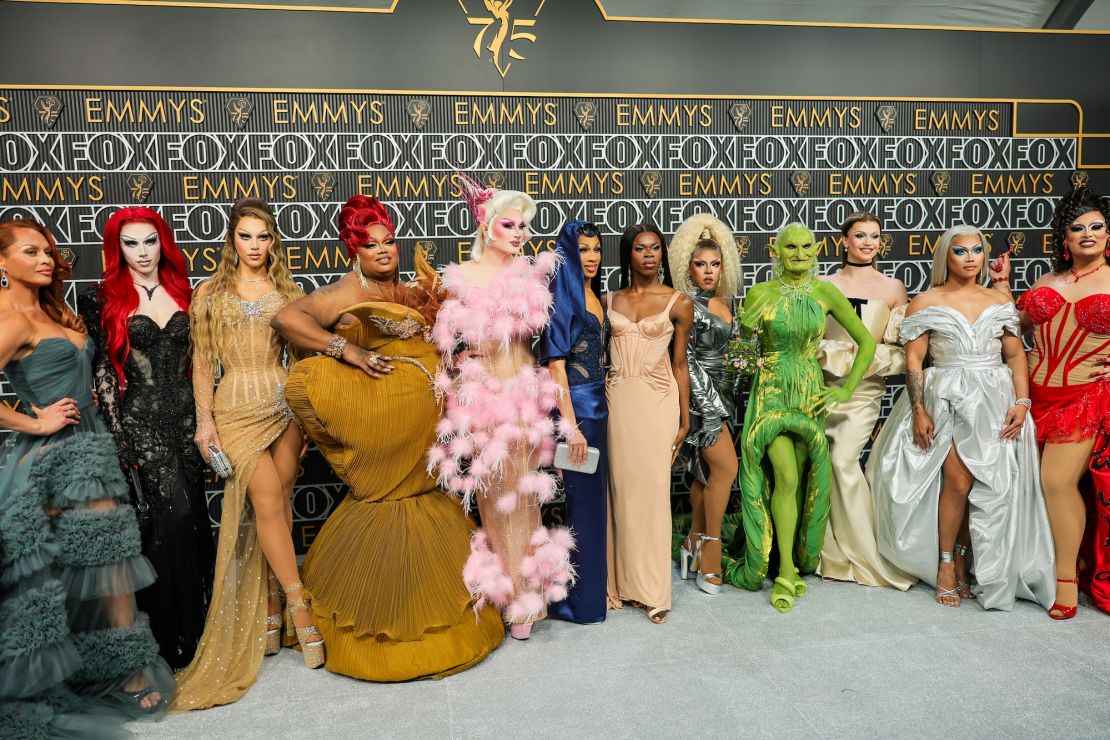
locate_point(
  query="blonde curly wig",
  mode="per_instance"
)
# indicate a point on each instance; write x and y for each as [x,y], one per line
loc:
[700,228]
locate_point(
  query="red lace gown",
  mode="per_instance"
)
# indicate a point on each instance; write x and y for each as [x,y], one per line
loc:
[1070,339]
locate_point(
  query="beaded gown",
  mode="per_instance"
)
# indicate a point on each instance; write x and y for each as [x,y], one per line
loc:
[644,399]
[968,391]
[70,637]
[250,412]
[153,425]
[790,330]
[383,572]
[850,552]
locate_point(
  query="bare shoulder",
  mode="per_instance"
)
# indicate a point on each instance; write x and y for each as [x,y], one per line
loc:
[994,297]
[1044,280]
[16,330]
[923,300]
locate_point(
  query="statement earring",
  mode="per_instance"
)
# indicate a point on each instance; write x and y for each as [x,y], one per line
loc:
[3,278]
[1107,250]
[661,274]
[776,265]
[1067,253]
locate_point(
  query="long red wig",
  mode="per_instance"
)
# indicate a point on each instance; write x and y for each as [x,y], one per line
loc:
[117,290]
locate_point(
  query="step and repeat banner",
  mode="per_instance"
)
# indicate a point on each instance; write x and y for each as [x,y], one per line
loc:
[69,157]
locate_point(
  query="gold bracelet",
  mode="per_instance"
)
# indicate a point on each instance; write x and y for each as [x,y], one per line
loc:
[335,346]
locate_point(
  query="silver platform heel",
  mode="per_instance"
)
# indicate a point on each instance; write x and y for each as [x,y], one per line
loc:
[702,578]
[687,561]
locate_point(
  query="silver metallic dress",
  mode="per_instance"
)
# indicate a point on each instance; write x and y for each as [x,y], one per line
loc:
[713,391]
[968,391]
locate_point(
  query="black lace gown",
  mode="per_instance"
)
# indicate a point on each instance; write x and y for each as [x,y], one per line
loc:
[153,425]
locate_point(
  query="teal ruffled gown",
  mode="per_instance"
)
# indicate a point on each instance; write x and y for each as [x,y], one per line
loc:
[70,636]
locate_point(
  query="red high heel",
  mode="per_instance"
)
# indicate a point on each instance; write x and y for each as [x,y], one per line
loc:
[1066,612]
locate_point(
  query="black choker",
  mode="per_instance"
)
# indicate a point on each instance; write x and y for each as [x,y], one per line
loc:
[849,263]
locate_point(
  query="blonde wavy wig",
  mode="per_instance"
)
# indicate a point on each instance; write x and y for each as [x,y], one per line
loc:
[206,329]
[692,235]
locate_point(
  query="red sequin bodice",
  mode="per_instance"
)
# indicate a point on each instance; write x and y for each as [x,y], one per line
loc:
[1070,337]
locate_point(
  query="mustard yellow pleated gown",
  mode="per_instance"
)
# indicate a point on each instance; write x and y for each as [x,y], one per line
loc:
[385,571]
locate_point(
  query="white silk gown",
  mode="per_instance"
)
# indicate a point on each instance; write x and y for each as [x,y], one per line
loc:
[968,391]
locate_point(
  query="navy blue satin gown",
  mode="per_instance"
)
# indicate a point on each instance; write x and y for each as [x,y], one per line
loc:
[576,336]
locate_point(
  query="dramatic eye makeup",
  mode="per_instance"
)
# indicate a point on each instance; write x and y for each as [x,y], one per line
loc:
[1094,227]
[149,241]
[862,235]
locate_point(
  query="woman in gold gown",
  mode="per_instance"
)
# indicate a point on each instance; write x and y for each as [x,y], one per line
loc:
[850,552]
[385,570]
[247,419]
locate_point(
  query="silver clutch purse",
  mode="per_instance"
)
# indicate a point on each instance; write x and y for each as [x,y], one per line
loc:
[221,466]
[562,459]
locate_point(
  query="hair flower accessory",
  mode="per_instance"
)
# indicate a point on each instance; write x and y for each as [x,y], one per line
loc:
[475,194]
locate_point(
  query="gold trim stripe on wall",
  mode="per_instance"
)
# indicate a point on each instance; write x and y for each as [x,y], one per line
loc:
[829,24]
[248,6]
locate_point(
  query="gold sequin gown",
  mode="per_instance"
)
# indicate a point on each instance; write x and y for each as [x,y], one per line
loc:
[250,413]
[384,572]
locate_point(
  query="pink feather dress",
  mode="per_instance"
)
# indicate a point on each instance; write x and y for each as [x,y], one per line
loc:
[496,431]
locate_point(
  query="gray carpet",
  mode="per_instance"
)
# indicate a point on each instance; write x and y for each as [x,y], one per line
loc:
[848,661]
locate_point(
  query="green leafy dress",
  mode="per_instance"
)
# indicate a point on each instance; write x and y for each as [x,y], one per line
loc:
[783,393]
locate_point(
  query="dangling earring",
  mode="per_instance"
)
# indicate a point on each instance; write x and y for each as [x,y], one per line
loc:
[813,270]
[776,265]
[1067,253]
[3,278]
[661,274]
[1107,250]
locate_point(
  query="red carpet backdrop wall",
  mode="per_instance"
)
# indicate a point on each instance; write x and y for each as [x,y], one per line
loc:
[614,122]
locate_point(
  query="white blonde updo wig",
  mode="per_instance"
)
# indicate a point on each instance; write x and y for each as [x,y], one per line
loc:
[502,200]
[940,254]
[699,228]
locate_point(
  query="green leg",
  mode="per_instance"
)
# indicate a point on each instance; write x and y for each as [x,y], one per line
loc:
[785,510]
[801,455]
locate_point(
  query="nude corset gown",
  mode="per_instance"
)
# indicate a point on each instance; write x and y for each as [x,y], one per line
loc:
[850,552]
[643,422]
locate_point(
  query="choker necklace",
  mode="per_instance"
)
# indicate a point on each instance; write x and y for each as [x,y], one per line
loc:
[849,263]
[795,292]
[149,291]
[1080,275]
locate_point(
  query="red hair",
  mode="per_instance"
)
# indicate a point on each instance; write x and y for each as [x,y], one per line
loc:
[356,216]
[117,290]
[51,297]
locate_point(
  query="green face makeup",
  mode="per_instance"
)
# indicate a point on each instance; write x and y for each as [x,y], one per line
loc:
[797,248]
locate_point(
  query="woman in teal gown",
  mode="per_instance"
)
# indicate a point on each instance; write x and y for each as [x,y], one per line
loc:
[76,658]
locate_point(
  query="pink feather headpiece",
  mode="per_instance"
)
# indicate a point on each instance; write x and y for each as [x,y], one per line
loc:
[476,195]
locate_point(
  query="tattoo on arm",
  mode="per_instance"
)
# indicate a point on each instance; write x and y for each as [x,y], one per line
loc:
[915,386]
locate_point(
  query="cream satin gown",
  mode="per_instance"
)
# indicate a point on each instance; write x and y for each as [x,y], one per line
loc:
[850,552]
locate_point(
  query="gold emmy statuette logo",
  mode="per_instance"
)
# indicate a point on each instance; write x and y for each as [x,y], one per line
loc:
[886,241]
[940,181]
[68,255]
[323,183]
[1016,240]
[140,185]
[494,179]
[886,115]
[427,248]
[49,108]
[801,180]
[499,31]
[741,114]
[743,245]
[586,113]
[419,110]
[652,181]
[239,109]
[1079,179]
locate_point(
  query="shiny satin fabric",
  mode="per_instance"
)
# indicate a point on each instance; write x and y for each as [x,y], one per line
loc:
[850,552]
[968,391]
